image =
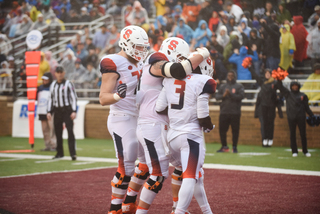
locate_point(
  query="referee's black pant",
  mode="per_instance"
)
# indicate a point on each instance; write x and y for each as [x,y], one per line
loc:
[63,115]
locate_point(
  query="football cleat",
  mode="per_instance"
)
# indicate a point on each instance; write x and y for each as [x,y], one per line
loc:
[115,212]
[173,209]
[129,208]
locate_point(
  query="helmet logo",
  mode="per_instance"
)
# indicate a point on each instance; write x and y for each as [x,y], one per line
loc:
[209,60]
[126,35]
[173,45]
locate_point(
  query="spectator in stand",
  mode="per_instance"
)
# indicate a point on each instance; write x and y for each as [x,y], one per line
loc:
[244,25]
[90,79]
[15,8]
[206,11]
[213,43]
[101,37]
[160,7]
[160,24]
[86,34]
[113,40]
[271,44]
[34,12]
[231,26]
[68,62]
[3,57]
[177,11]
[314,44]
[5,44]
[171,24]
[81,53]
[214,21]
[43,96]
[39,23]
[84,16]
[43,68]
[14,24]
[76,76]
[53,63]
[74,18]
[234,10]
[300,34]
[55,3]
[64,16]
[184,30]
[238,57]
[96,4]
[220,69]
[201,35]
[267,102]
[313,19]
[57,11]
[5,77]
[24,26]
[190,13]
[92,58]
[287,47]
[94,14]
[157,46]
[47,12]
[66,4]
[268,12]
[230,95]
[313,96]
[247,15]
[223,38]
[255,40]
[76,5]
[283,14]
[255,22]
[113,9]
[25,7]
[138,15]
[297,106]
[88,44]
[232,45]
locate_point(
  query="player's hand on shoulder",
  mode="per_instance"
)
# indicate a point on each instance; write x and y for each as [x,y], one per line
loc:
[203,52]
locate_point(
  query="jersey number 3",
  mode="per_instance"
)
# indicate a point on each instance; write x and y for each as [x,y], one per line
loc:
[180,91]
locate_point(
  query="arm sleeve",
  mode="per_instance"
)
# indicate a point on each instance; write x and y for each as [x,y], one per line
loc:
[73,96]
[203,105]
[239,95]
[255,56]
[255,76]
[162,102]
[306,105]
[284,91]
[234,58]
[50,101]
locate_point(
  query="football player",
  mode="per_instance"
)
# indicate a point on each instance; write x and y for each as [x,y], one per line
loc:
[120,77]
[186,101]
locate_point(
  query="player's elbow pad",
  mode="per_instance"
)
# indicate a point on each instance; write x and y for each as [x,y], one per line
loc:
[177,70]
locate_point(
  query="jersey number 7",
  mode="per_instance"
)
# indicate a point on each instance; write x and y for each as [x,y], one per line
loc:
[180,91]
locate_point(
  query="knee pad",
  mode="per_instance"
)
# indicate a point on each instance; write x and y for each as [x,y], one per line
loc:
[141,171]
[123,181]
[154,183]
[177,174]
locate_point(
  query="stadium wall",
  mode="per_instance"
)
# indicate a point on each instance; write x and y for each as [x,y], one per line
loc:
[96,125]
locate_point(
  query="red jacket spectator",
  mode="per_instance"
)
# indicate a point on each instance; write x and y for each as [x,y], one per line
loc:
[214,21]
[300,37]
[96,4]
[191,11]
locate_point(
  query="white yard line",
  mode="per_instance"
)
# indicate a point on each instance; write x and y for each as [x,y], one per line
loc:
[206,165]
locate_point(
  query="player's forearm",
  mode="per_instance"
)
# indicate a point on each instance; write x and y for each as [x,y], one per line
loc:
[107,98]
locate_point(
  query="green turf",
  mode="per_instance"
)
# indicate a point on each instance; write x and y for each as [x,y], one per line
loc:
[278,157]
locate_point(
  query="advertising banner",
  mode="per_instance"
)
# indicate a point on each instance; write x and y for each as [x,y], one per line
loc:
[20,123]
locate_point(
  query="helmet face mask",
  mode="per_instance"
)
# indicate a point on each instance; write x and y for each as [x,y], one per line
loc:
[134,42]
[175,49]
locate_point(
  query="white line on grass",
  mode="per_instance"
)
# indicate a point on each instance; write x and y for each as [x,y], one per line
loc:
[11,159]
[206,165]
[83,163]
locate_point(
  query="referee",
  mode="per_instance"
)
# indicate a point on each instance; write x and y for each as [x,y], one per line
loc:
[63,104]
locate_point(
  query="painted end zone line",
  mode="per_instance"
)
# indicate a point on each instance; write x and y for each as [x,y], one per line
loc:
[206,165]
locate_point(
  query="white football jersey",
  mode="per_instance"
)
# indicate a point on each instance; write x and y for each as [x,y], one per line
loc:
[129,74]
[181,98]
[150,88]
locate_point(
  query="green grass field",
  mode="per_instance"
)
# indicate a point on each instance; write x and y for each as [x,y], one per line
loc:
[275,157]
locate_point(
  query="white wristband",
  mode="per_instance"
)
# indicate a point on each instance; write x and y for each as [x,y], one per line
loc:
[116,97]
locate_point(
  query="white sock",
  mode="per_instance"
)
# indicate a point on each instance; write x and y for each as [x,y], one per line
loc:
[185,194]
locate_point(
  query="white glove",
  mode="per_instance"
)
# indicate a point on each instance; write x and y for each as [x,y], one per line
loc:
[203,52]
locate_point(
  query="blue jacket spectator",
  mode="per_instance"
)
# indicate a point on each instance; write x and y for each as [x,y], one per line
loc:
[184,30]
[202,34]
[177,10]
[101,37]
[244,25]
[160,23]
[243,73]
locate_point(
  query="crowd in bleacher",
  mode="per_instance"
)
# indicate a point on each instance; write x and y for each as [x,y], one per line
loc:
[265,30]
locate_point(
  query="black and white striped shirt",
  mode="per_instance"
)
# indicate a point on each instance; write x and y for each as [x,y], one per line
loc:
[62,95]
